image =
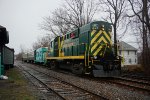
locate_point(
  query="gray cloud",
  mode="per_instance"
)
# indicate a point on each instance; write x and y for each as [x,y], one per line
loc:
[21,18]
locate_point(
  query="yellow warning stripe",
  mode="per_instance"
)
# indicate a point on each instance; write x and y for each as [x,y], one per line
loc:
[66,57]
[107,36]
[92,33]
[110,37]
[96,36]
[96,52]
[96,44]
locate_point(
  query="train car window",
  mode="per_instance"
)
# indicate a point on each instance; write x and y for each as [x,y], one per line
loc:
[72,35]
[68,36]
[37,54]
[51,44]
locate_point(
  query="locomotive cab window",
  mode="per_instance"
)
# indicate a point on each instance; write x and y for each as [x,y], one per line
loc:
[72,35]
[68,36]
[51,44]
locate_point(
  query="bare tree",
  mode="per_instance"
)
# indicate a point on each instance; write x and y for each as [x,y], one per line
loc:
[55,24]
[136,28]
[73,14]
[42,42]
[115,10]
[142,12]
[19,56]
[140,7]
[80,12]
[22,51]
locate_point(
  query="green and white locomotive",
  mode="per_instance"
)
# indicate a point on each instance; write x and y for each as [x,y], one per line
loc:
[86,50]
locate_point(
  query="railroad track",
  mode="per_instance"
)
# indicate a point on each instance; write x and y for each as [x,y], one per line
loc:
[138,77]
[41,86]
[136,84]
[136,80]
[64,90]
[131,83]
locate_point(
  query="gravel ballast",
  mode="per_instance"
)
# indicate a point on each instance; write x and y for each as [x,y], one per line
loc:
[108,90]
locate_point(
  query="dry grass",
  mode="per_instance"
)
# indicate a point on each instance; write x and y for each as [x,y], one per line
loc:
[15,88]
[133,68]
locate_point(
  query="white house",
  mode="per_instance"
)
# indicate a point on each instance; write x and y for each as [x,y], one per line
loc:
[128,52]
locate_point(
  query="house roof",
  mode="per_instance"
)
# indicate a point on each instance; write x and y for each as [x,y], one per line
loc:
[125,46]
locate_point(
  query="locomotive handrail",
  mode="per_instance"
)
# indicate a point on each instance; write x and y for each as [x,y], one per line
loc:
[104,50]
[61,44]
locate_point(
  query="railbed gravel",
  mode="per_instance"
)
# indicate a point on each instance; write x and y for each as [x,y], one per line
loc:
[39,93]
[108,90]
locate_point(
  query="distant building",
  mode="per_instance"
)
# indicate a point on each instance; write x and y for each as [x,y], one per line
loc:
[128,53]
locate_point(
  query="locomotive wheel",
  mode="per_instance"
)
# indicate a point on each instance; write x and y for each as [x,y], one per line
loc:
[78,69]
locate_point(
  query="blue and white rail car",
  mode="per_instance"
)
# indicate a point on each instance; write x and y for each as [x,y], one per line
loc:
[40,55]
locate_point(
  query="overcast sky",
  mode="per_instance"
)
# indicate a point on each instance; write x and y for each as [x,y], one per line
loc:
[22,17]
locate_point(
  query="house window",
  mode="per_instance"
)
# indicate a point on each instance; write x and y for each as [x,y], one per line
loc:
[120,52]
[130,61]
[135,60]
[135,52]
[128,52]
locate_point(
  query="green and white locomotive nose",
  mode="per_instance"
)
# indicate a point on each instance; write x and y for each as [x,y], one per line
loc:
[100,38]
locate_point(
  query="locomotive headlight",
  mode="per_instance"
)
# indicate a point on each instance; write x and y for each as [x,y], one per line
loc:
[95,57]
